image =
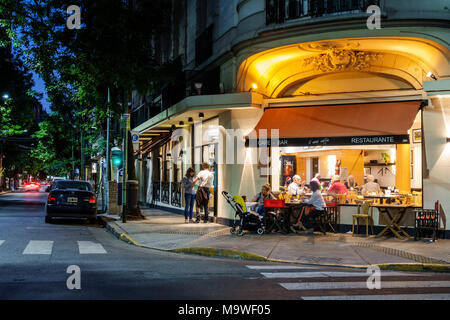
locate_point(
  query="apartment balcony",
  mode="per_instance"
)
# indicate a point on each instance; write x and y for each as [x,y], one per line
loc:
[280,11]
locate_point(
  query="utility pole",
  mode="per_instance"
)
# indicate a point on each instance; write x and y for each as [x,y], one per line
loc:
[107,152]
[126,120]
[82,156]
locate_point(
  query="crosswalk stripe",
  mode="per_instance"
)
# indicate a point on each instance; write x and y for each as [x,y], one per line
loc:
[89,247]
[428,296]
[325,274]
[363,285]
[39,247]
[280,267]
[1,242]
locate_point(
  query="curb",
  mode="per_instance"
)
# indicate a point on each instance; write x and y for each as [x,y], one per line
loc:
[243,255]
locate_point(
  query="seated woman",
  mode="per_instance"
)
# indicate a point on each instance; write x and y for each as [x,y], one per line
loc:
[265,194]
[351,184]
[337,187]
[318,206]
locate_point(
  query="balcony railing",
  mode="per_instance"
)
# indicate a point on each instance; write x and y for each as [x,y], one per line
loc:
[165,191]
[175,194]
[279,11]
[156,191]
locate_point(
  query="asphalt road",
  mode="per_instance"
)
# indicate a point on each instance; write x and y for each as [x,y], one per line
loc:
[35,256]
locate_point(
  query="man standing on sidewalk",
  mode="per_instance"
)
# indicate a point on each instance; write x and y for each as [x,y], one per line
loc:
[205,178]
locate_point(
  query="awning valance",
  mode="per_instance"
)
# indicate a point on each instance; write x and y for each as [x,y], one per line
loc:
[358,124]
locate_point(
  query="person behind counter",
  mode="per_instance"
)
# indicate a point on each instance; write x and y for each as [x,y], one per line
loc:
[351,184]
[371,186]
[265,194]
[297,187]
[337,186]
[318,206]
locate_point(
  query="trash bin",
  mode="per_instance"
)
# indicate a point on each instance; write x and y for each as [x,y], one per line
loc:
[132,194]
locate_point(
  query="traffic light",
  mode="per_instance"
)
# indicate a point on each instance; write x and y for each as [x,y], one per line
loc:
[116,157]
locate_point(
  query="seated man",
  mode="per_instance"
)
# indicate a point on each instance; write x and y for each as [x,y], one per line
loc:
[371,186]
[297,187]
[265,194]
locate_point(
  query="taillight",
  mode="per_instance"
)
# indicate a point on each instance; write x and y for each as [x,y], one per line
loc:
[92,200]
[51,199]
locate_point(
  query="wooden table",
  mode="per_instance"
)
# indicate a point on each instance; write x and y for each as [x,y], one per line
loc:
[291,206]
[383,198]
[395,214]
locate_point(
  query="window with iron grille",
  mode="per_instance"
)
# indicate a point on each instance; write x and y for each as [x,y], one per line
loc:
[278,11]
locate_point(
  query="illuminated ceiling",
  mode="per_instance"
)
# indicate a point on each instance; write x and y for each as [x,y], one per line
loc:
[316,67]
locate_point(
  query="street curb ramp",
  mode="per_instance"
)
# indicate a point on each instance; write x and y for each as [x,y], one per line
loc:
[242,255]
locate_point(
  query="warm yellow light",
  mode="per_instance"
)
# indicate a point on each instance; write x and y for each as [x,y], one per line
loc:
[331,165]
[254,86]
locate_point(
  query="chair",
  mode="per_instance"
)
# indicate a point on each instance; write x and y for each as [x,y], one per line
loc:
[364,211]
[331,216]
[272,216]
[427,220]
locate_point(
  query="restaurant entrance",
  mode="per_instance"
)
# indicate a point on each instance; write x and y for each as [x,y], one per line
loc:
[355,144]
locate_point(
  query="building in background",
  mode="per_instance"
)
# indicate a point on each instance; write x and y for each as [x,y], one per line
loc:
[346,98]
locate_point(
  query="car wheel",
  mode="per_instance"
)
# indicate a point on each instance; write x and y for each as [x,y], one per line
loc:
[48,220]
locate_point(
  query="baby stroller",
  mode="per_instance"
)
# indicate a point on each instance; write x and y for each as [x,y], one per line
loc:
[247,220]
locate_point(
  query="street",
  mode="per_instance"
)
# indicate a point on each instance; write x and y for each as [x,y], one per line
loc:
[34,258]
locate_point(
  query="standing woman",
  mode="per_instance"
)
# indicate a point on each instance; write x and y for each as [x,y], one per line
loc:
[189,194]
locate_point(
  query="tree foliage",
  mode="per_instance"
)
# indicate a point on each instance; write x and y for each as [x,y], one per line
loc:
[117,48]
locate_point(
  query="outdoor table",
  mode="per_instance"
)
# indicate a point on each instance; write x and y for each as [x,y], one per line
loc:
[383,198]
[291,206]
[395,214]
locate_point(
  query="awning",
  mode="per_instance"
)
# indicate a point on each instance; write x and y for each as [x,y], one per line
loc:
[356,124]
[155,143]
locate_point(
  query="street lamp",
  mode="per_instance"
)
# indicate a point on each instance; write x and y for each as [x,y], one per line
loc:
[5,96]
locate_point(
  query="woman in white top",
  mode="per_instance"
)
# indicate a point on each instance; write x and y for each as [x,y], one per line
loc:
[317,202]
[204,179]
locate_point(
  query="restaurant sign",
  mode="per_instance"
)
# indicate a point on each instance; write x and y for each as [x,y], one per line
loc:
[331,141]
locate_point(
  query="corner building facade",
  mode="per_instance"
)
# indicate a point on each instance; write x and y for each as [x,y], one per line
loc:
[345,99]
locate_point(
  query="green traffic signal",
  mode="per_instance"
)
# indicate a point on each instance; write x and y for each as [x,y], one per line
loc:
[116,157]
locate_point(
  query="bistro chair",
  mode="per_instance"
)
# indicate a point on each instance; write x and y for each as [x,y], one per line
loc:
[427,220]
[331,216]
[273,218]
[364,211]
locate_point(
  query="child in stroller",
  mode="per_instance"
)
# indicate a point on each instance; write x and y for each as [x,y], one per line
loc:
[247,221]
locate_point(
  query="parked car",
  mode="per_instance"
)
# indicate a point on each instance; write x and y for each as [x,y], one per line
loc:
[32,186]
[71,199]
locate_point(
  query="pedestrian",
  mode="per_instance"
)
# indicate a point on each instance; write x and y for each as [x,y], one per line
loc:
[205,179]
[189,194]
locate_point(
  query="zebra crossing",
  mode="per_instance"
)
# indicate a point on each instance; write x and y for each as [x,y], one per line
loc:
[326,283]
[46,247]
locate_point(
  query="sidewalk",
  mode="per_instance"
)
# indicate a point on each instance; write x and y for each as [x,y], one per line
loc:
[166,231]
